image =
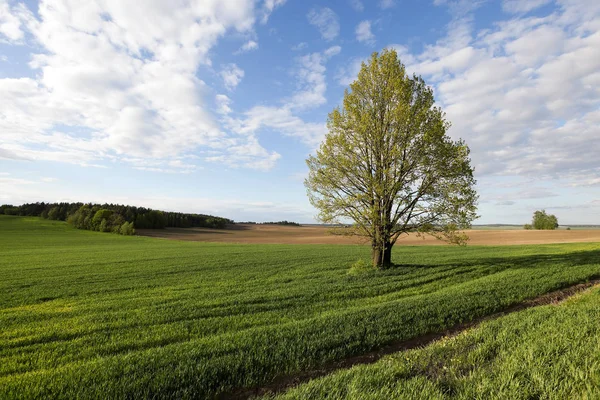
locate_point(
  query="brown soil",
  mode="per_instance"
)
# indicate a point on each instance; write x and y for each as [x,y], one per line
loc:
[283,383]
[321,235]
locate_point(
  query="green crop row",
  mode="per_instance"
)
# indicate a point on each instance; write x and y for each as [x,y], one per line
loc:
[90,315]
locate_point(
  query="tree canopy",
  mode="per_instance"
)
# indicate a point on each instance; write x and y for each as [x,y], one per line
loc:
[542,220]
[387,164]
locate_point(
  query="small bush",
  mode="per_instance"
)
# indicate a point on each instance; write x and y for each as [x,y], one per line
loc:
[528,227]
[360,267]
[569,228]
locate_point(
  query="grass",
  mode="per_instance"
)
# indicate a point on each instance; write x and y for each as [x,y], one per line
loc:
[549,352]
[87,314]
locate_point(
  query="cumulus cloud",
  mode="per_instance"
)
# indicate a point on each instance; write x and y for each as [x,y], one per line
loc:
[300,46]
[364,34]
[384,4]
[310,76]
[310,93]
[326,21]
[522,6]
[524,94]
[146,103]
[223,103]
[357,5]
[268,7]
[232,75]
[250,45]
[13,19]
[348,73]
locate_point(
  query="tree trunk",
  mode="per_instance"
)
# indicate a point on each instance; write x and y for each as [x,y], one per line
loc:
[387,255]
[382,255]
[377,256]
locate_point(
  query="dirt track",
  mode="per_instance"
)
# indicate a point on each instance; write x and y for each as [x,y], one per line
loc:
[284,382]
[320,235]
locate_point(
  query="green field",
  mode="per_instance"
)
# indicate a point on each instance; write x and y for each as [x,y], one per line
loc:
[549,352]
[87,314]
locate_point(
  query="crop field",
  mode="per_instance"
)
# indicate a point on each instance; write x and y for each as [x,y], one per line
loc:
[549,352]
[95,315]
[311,234]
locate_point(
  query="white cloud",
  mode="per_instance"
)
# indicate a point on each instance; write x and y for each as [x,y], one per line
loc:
[300,46]
[281,120]
[310,75]
[12,21]
[364,34]
[357,5]
[223,103]
[349,72]
[15,181]
[250,45]
[247,153]
[326,21]
[48,179]
[524,94]
[232,75]
[311,82]
[268,7]
[522,6]
[146,102]
[385,4]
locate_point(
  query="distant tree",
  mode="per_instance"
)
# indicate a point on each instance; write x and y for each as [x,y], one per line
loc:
[542,220]
[527,227]
[99,216]
[127,228]
[388,165]
[10,210]
[104,226]
[54,213]
[287,223]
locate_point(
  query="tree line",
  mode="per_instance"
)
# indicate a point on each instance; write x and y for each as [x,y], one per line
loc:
[289,223]
[114,218]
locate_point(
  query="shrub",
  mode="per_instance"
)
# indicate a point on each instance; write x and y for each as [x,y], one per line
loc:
[360,267]
[527,227]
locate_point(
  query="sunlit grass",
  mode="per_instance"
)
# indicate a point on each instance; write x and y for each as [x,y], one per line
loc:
[86,314]
[550,352]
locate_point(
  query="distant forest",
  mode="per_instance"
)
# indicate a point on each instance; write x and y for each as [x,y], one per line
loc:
[114,218]
[270,223]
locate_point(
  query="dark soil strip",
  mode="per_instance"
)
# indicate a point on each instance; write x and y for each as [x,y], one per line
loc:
[283,383]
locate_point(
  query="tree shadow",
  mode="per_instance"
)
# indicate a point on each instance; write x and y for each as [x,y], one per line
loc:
[578,258]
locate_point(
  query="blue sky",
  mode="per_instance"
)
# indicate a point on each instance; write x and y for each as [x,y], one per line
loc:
[212,106]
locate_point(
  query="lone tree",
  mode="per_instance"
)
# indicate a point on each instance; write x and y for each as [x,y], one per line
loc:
[541,220]
[387,164]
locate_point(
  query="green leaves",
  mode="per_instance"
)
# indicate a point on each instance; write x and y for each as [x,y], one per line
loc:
[541,220]
[387,164]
